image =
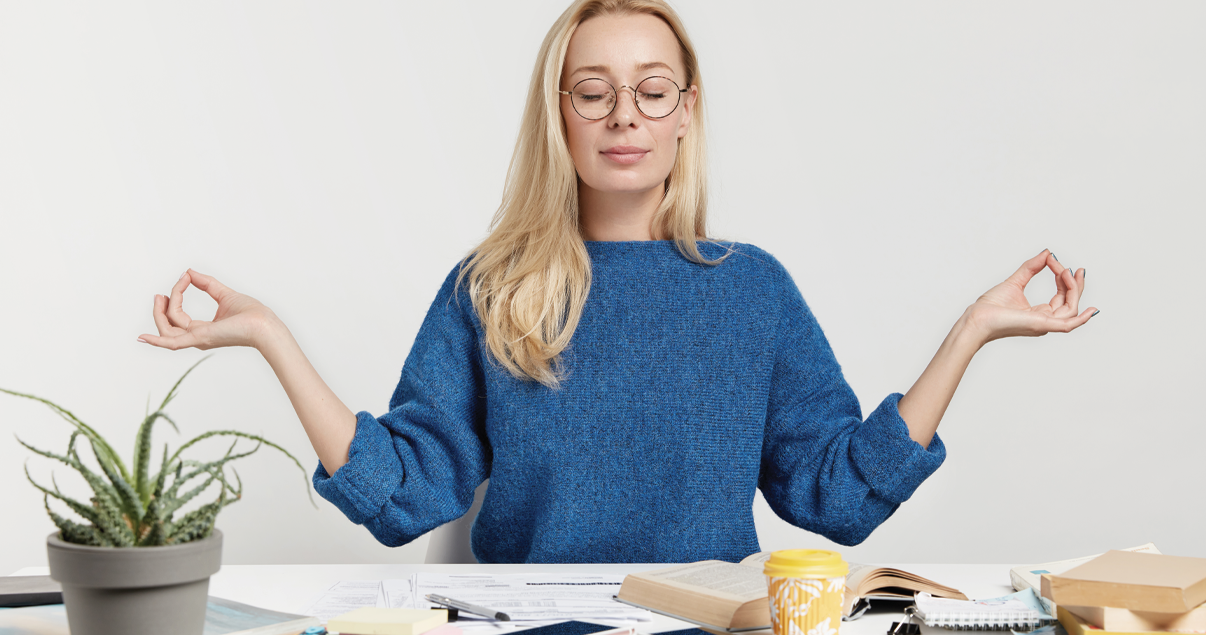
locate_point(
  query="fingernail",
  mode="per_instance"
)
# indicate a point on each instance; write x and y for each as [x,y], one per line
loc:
[143,341]
[1096,312]
[1052,255]
[183,274]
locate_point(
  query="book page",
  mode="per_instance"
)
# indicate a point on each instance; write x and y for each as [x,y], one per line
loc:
[724,578]
[756,559]
[858,573]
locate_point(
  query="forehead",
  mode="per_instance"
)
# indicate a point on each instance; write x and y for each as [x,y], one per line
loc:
[622,44]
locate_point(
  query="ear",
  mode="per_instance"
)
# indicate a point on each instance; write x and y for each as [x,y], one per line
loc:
[689,98]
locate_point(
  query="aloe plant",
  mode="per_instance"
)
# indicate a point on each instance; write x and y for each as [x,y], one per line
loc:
[135,507]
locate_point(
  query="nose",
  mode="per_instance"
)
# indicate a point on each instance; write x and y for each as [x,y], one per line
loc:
[626,112]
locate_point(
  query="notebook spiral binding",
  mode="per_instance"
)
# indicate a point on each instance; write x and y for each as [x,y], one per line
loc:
[980,621]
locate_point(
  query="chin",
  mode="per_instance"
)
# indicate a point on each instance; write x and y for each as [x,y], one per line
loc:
[623,184]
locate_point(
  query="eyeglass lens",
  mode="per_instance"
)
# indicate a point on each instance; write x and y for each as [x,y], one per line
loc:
[656,97]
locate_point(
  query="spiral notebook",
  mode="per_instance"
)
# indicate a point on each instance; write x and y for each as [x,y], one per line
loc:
[1021,611]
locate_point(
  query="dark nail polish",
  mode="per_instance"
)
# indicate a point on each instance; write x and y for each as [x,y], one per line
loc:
[1053,256]
[1096,312]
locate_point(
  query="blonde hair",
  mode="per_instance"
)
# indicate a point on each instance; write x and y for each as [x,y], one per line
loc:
[530,277]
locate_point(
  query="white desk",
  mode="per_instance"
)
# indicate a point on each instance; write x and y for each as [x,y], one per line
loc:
[289,587]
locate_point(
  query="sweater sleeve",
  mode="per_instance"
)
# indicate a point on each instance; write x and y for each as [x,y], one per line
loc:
[416,467]
[824,468]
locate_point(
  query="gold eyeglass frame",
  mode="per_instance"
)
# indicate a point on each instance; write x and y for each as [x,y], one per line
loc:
[616,93]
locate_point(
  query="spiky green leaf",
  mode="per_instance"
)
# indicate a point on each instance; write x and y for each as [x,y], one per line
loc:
[134,507]
[214,471]
[86,511]
[104,492]
[198,523]
[172,393]
[142,455]
[131,505]
[105,452]
[73,532]
[254,437]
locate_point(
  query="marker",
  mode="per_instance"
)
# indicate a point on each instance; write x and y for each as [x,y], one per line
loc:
[468,608]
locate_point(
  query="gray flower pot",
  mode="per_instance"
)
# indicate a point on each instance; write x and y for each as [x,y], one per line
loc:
[135,590]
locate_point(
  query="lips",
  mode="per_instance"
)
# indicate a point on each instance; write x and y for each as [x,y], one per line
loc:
[626,155]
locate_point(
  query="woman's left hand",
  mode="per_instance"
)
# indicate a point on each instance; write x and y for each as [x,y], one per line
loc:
[1004,310]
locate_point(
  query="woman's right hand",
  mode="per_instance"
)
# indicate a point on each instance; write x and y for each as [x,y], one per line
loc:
[240,320]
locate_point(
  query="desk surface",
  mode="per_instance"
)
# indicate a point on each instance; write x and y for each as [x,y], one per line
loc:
[291,587]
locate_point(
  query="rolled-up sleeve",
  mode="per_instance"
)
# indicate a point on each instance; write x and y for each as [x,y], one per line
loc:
[825,468]
[416,467]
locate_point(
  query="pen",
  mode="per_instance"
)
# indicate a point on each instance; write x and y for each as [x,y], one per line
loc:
[468,608]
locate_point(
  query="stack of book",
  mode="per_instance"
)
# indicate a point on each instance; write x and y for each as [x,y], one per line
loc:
[1123,592]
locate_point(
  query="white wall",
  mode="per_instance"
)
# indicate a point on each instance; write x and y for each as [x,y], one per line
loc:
[335,160]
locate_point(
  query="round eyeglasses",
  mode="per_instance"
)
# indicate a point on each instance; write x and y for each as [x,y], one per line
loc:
[594,98]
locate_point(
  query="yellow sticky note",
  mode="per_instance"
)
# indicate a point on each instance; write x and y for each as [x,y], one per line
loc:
[372,621]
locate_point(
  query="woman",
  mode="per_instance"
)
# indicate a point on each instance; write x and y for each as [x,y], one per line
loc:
[624,382]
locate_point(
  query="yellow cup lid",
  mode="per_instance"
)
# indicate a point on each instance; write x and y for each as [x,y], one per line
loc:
[805,563]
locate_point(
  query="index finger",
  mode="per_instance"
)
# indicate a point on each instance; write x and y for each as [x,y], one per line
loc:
[208,284]
[1031,267]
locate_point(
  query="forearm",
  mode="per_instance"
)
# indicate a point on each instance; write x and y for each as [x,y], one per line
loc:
[327,421]
[925,403]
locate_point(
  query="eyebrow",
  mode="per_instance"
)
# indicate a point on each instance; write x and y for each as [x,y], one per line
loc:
[606,69]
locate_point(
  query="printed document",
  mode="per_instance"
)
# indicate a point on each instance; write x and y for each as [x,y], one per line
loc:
[529,599]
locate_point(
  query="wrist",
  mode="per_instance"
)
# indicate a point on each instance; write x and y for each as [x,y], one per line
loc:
[269,333]
[968,332]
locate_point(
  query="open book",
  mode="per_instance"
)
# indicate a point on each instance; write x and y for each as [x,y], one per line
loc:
[865,583]
[732,597]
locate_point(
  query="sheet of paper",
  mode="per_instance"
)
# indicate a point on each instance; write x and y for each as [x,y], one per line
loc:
[399,593]
[347,595]
[1028,599]
[525,598]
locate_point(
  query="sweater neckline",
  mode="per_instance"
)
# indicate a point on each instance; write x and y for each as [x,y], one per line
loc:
[629,245]
[608,250]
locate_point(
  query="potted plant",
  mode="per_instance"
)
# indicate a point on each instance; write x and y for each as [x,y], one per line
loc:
[133,567]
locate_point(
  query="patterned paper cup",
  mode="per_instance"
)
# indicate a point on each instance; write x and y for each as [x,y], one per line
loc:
[806,587]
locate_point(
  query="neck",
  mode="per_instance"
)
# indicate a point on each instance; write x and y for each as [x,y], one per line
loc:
[615,216]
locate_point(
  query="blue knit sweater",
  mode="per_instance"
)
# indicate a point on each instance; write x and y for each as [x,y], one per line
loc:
[688,387]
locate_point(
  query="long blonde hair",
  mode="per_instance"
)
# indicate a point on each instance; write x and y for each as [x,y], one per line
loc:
[530,277]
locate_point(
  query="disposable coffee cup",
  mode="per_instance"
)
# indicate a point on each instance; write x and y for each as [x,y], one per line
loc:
[806,588]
